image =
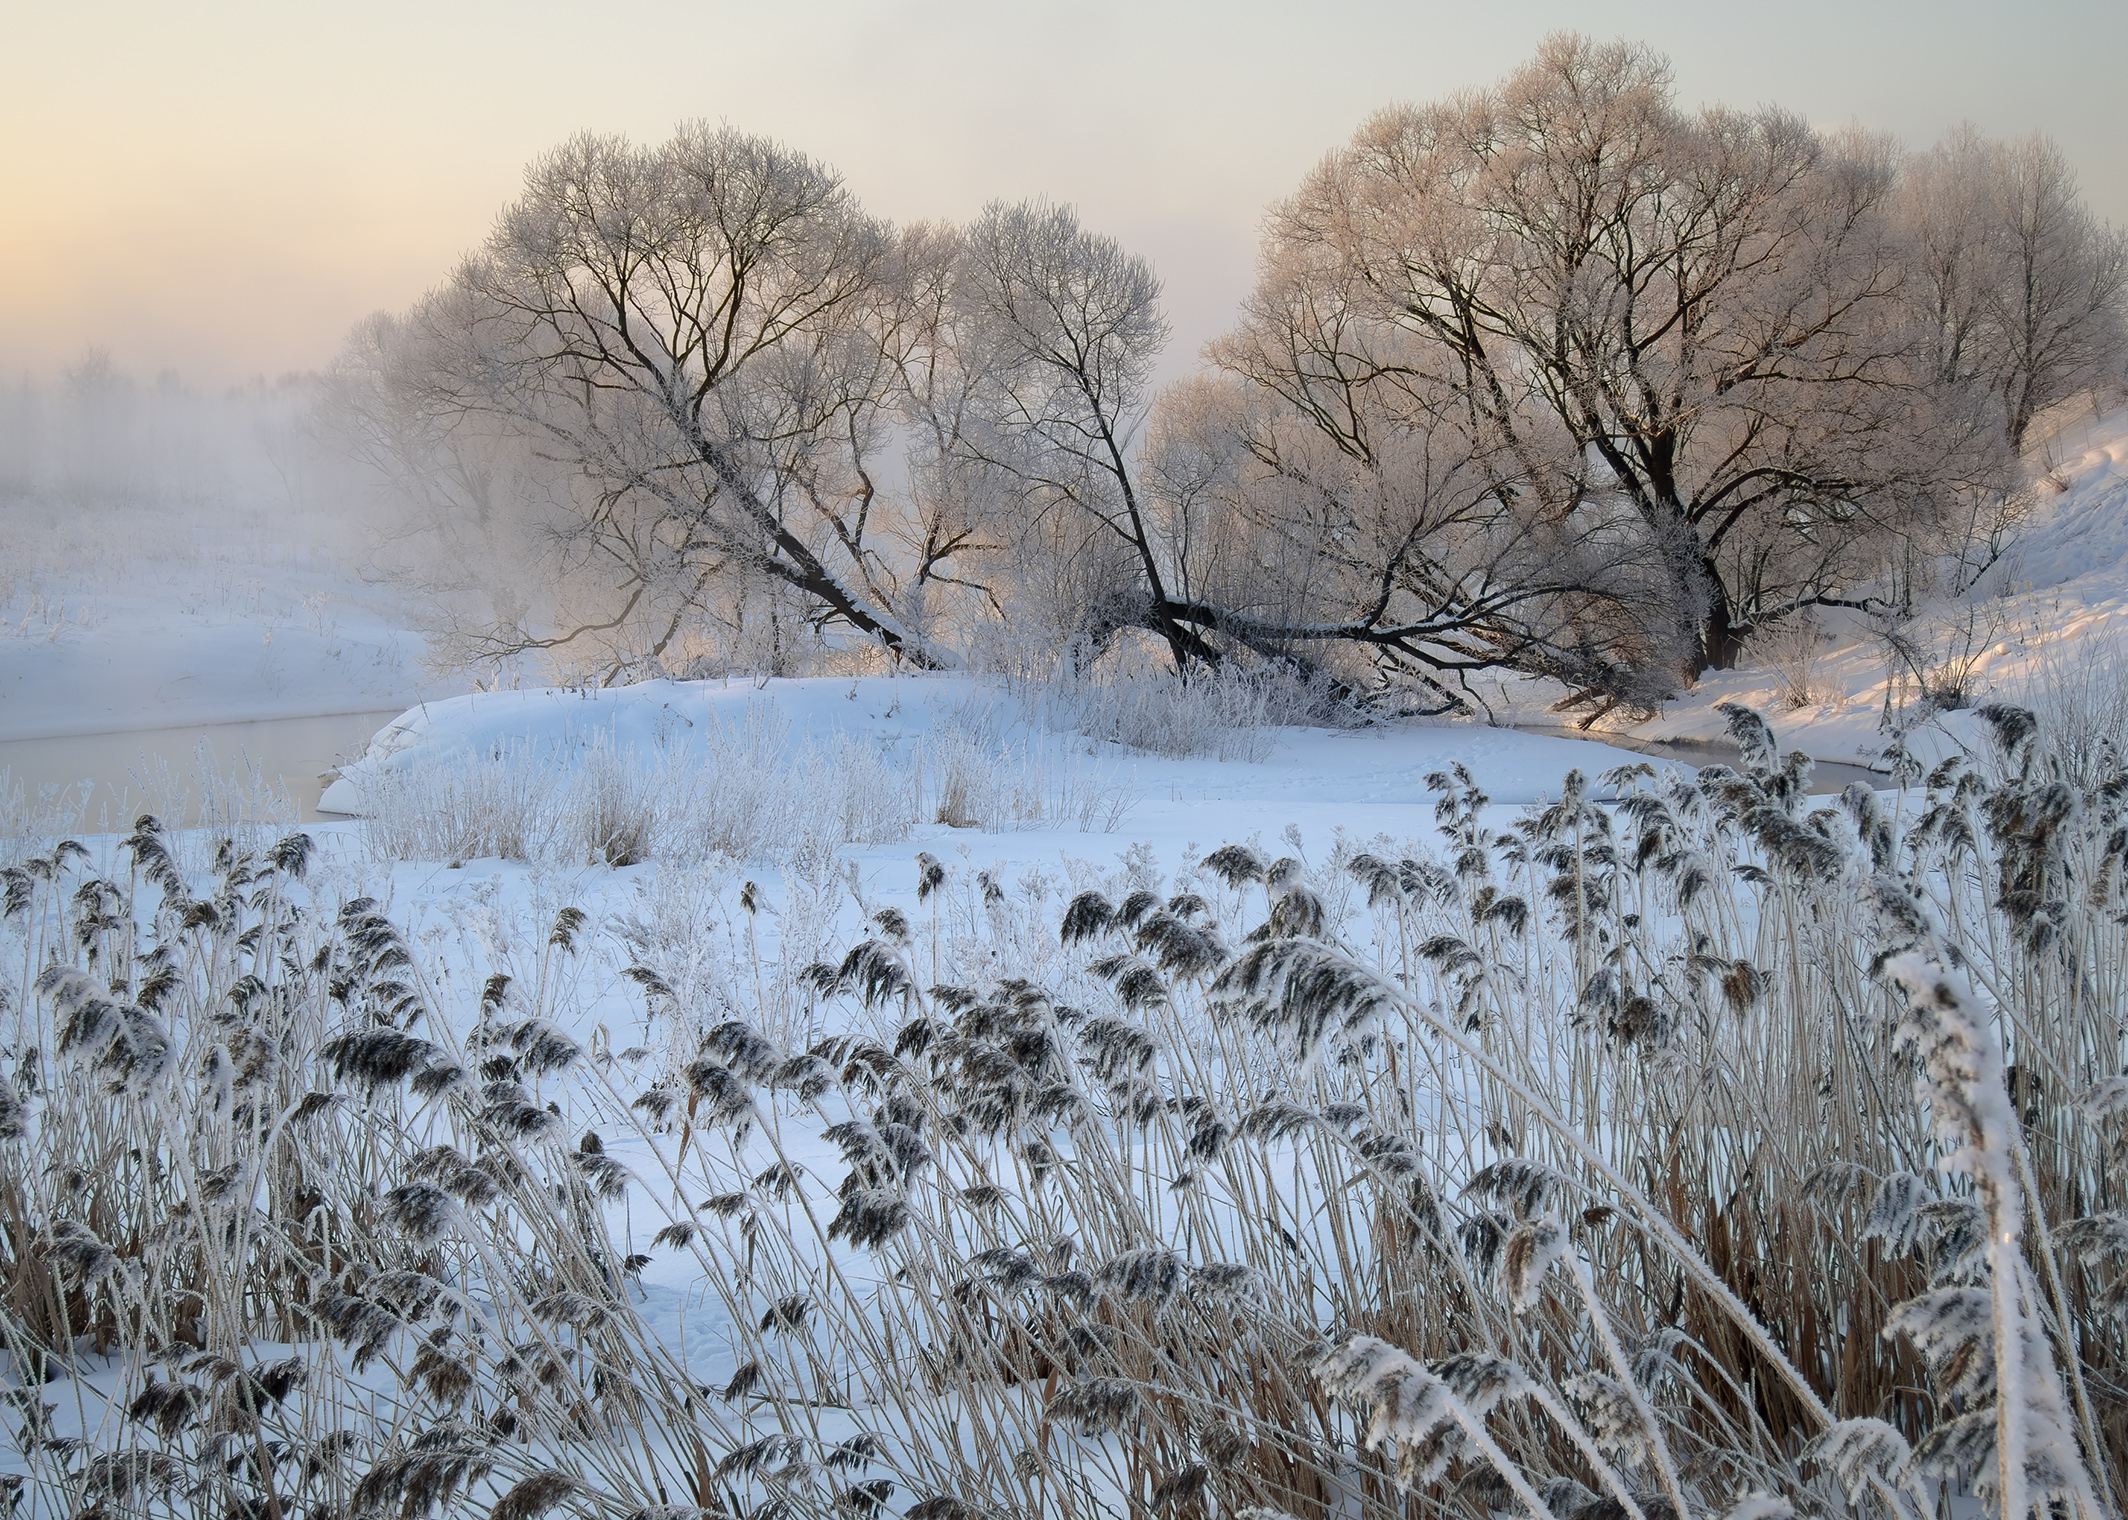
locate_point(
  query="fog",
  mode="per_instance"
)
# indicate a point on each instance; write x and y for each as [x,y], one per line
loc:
[184,567]
[105,473]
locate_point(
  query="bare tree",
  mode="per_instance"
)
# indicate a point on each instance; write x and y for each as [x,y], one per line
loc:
[1554,377]
[960,527]
[1236,530]
[698,339]
[1438,553]
[1060,329]
[2025,291]
[1709,308]
[461,497]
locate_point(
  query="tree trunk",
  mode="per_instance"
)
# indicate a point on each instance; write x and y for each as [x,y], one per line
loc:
[1719,642]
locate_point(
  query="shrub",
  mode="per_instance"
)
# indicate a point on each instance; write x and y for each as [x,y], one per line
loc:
[1791,645]
[1229,713]
[2079,695]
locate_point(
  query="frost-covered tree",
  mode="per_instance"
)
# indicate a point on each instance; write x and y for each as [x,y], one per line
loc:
[1235,532]
[1051,335]
[1554,377]
[2024,290]
[1695,318]
[698,342]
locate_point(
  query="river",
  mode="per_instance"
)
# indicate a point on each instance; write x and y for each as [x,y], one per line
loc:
[1827,777]
[157,769]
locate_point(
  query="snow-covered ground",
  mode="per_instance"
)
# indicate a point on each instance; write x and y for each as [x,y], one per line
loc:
[156,649]
[1319,771]
[1318,791]
[2060,610]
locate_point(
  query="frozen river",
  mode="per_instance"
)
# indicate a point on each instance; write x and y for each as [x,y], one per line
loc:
[1827,777]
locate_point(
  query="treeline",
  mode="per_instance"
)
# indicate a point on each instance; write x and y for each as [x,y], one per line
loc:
[1554,377]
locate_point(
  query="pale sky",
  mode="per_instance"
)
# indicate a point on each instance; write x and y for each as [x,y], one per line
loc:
[225,187]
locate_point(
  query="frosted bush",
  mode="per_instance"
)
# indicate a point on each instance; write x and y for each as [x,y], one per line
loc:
[848,792]
[1026,784]
[614,804]
[1791,646]
[1224,714]
[737,798]
[505,803]
[2078,692]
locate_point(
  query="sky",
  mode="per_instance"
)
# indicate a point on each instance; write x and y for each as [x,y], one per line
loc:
[225,188]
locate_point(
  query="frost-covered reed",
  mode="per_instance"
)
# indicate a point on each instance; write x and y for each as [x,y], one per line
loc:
[2078,692]
[1229,712]
[747,790]
[1707,1153]
[210,797]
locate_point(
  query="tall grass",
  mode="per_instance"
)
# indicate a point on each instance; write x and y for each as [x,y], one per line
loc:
[1705,1154]
[215,799]
[1229,713]
[1020,783]
[33,816]
[1792,646]
[2079,694]
[745,790]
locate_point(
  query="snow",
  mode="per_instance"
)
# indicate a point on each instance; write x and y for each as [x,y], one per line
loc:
[2057,598]
[122,661]
[1310,771]
[153,619]
[177,646]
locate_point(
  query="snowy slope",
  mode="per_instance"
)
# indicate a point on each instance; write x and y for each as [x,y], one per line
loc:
[2061,607]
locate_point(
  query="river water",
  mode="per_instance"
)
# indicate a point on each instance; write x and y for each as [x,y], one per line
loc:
[160,770]
[1827,777]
